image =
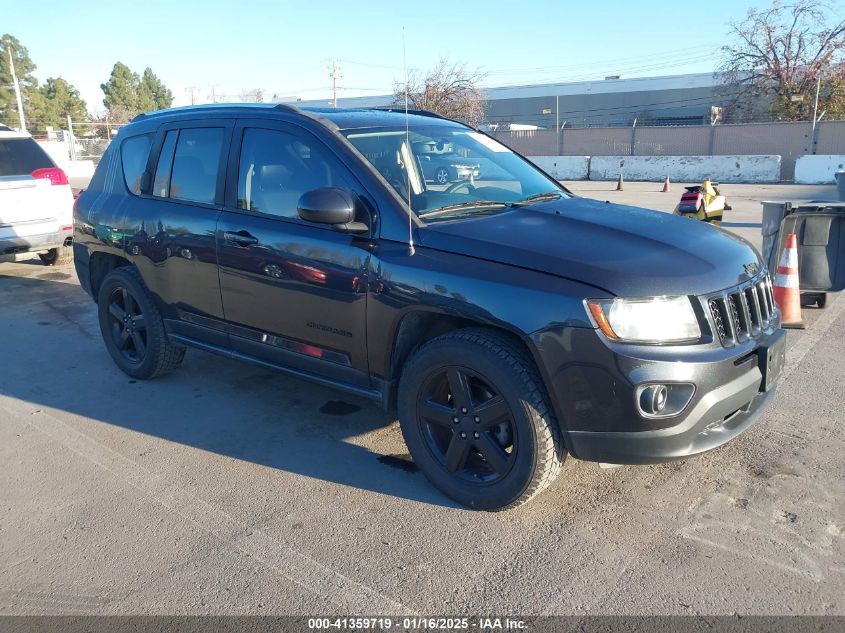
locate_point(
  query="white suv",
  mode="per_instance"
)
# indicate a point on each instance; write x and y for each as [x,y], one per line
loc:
[36,203]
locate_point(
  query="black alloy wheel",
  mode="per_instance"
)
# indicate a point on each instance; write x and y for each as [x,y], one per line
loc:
[477,420]
[127,325]
[467,425]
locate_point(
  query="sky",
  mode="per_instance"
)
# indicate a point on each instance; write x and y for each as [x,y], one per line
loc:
[285,48]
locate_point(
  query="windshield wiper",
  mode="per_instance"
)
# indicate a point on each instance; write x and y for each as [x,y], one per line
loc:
[473,204]
[539,197]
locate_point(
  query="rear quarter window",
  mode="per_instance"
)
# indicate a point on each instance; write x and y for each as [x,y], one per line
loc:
[134,154]
[21,157]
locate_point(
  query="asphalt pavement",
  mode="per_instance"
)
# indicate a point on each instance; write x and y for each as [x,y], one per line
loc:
[226,488]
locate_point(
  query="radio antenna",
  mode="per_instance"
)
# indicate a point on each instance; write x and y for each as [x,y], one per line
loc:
[411,249]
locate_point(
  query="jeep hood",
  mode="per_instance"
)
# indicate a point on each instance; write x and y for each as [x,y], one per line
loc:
[624,250]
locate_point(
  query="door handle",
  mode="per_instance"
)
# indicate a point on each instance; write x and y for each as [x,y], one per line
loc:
[241,238]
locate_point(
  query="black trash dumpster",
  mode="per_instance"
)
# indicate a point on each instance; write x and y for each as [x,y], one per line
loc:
[820,229]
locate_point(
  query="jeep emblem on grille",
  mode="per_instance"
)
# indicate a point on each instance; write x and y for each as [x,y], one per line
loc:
[751,269]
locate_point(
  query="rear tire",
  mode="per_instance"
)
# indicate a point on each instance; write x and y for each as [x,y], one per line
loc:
[57,256]
[506,446]
[132,327]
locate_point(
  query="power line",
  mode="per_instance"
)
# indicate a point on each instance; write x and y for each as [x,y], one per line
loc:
[637,59]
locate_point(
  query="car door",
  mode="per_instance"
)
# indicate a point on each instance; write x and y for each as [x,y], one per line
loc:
[174,243]
[294,292]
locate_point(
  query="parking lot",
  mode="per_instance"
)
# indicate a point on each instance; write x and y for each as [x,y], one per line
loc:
[226,488]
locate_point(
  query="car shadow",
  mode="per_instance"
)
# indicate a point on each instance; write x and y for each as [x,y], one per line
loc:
[212,403]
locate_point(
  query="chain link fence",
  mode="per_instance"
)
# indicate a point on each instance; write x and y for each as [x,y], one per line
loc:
[89,140]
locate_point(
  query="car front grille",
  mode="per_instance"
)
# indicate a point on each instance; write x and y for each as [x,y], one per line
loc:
[743,312]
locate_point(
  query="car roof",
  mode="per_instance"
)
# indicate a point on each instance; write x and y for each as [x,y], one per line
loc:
[339,118]
[10,133]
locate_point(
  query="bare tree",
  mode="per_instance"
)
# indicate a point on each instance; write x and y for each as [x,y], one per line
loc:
[779,55]
[449,89]
[256,95]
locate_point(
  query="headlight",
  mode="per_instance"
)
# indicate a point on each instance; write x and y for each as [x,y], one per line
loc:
[653,320]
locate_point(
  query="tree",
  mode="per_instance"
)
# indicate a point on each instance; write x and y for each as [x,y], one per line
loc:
[256,95]
[159,94]
[24,68]
[60,100]
[122,93]
[779,55]
[127,94]
[448,89]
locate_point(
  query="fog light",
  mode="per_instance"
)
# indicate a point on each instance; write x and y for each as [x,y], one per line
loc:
[663,400]
[653,399]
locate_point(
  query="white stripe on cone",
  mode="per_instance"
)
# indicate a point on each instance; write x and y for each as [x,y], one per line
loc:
[786,281]
[789,258]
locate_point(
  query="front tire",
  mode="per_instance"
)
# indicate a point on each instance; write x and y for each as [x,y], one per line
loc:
[477,421]
[132,327]
[57,256]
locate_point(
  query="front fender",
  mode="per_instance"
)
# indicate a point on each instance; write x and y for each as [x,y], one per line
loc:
[515,299]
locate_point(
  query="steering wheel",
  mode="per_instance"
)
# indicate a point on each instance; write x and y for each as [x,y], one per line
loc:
[457,185]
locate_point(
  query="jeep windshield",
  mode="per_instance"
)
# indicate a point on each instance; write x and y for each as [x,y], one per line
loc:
[451,172]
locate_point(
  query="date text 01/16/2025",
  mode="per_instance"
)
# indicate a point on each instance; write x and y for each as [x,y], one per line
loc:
[416,623]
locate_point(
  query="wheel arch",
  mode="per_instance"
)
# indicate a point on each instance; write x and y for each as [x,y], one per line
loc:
[417,326]
[101,264]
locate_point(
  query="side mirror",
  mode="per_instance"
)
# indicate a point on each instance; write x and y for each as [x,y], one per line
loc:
[330,205]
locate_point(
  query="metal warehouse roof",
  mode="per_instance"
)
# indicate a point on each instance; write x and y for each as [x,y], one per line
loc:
[600,86]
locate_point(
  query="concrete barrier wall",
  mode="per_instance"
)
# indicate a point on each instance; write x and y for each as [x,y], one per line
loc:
[687,168]
[563,167]
[817,170]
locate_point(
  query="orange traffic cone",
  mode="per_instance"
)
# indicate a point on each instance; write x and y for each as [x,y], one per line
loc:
[620,183]
[786,287]
[666,187]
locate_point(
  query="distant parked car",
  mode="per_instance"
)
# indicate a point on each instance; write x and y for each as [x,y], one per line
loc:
[36,203]
[442,165]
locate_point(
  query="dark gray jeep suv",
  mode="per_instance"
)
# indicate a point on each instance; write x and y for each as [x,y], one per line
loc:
[509,322]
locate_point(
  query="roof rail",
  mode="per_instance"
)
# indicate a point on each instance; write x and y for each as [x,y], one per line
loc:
[212,107]
[427,113]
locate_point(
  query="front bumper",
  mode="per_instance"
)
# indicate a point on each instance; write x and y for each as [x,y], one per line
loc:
[719,416]
[596,403]
[12,247]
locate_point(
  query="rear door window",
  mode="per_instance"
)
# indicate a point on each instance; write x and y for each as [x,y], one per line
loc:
[134,154]
[21,157]
[196,164]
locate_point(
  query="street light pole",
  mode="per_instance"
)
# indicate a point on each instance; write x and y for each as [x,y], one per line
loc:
[17,91]
[815,112]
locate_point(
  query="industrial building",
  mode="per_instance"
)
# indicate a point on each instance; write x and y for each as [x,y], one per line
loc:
[691,99]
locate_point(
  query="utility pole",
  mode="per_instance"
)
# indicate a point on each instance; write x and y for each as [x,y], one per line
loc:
[334,73]
[214,93]
[193,90]
[17,91]
[815,112]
